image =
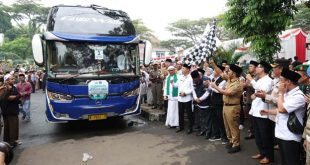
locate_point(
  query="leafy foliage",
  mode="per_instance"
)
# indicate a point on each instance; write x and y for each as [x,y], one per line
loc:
[260,22]
[16,32]
[28,16]
[228,54]
[189,29]
[173,43]
[142,30]
[188,32]
[5,20]
[19,46]
[224,33]
[301,18]
[33,13]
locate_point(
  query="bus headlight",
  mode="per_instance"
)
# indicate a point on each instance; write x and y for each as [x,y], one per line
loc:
[133,92]
[59,97]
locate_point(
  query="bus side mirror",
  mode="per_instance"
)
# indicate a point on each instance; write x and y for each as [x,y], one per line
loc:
[37,49]
[147,52]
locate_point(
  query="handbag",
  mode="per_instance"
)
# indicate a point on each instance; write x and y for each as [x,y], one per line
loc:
[294,125]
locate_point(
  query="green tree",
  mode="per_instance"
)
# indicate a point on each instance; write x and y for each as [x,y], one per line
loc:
[189,29]
[5,20]
[188,32]
[16,32]
[28,16]
[8,56]
[260,22]
[142,30]
[20,46]
[29,13]
[301,18]
[224,33]
[228,54]
[173,43]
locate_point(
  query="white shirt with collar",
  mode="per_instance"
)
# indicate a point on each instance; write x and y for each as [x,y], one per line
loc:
[265,84]
[180,72]
[185,84]
[272,98]
[203,97]
[170,97]
[294,102]
[221,85]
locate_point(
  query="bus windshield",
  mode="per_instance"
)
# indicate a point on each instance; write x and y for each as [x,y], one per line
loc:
[83,58]
[92,20]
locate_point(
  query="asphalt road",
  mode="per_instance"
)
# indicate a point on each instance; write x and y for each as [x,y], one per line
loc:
[114,142]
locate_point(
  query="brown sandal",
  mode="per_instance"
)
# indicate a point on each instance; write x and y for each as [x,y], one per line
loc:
[258,156]
[264,161]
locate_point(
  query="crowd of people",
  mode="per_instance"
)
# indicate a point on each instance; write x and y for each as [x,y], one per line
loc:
[16,88]
[218,97]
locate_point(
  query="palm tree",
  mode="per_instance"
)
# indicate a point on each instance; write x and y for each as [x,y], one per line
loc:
[228,54]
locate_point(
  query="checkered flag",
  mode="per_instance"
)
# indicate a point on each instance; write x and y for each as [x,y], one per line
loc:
[204,48]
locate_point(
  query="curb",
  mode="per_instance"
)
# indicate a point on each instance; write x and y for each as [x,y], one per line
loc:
[152,114]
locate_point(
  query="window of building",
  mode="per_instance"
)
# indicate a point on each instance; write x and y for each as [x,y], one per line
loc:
[160,54]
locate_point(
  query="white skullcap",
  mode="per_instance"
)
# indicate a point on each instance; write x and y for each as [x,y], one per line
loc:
[12,72]
[171,68]
[22,70]
[6,77]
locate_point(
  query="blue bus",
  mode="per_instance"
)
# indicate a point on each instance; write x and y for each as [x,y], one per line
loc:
[91,55]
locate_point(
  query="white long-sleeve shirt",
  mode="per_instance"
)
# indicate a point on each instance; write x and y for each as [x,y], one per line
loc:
[185,84]
[170,97]
[203,97]
[146,78]
[264,84]
[294,102]
[221,85]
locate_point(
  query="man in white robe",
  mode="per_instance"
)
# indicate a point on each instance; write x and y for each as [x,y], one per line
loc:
[171,93]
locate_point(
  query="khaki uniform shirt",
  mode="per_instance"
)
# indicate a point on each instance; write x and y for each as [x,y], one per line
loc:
[236,89]
[164,72]
[155,76]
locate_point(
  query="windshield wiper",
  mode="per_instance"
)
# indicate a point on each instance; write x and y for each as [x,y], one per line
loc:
[108,12]
[108,74]
[74,76]
[122,76]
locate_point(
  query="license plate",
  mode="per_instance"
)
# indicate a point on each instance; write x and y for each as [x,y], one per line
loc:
[97,117]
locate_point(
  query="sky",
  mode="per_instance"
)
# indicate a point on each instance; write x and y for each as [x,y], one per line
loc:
[156,14]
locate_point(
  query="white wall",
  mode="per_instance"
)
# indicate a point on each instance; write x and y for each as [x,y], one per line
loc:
[288,48]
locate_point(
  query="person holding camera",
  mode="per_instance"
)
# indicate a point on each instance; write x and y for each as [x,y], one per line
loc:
[10,110]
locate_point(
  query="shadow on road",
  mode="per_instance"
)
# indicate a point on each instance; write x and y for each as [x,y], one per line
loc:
[86,129]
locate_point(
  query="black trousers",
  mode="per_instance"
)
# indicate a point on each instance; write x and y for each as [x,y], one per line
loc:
[218,122]
[242,115]
[264,136]
[290,152]
[247,110]
[186,106]
[197,117]
[206,120]
[166,106]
